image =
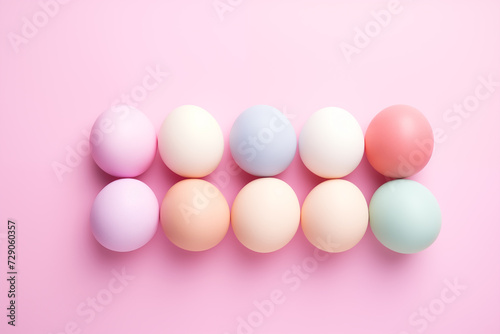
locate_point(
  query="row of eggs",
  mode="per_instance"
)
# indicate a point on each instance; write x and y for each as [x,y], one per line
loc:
[399,142]
[404,215]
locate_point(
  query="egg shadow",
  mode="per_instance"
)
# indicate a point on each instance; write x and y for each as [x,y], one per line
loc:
[305,183]
[160,175]
[100,176]
[366,178]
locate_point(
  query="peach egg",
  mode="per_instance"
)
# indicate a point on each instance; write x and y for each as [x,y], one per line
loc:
[194,215]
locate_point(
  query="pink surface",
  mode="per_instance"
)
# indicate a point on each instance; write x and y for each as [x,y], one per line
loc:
[440,57]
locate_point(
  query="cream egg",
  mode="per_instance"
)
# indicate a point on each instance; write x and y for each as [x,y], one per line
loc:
[265,215]
[334,216]
[190,142]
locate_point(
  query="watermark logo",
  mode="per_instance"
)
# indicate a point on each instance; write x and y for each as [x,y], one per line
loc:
[371,29]
[425,315]
[417,158]
[88,309]
[222,7]
[292,279]
[263,309]
[199,201]
[74,155]
[250,147]
[454,116]
[222,177]
[150,81]
[31,27]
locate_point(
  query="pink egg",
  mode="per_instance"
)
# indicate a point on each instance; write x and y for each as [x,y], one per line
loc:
[399,141]
[124,216]
[123,141]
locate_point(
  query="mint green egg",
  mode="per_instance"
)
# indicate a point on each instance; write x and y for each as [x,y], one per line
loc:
[405,216]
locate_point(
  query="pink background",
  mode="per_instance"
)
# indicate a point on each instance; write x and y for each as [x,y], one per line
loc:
[282,53]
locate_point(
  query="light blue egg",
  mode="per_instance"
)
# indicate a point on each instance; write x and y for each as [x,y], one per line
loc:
[405,216]
[262,141]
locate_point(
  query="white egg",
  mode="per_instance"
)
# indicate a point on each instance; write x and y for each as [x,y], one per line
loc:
[190,142]
[331,143]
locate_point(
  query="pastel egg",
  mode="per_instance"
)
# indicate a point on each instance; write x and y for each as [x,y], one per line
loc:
[190,142]
[334,216]
[265,215]
[331,143]
[123,141]
[262,141]
[405,216]
[399,141]
[124,215]
[194,215]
